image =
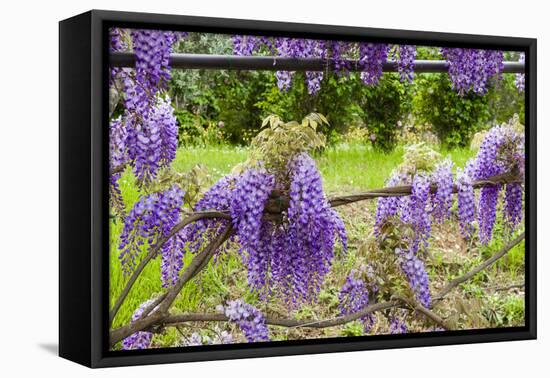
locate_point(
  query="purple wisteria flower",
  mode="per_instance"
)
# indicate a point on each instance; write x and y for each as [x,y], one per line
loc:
[417,276]
[354,297]
[472,69]
[152,49]
[413,212]
[520,77]
[372,57]
[314,49]
[154,140]
[245,45]
[388,207]
[442,200]
[501,151]
[141,339]
[313,228]
[249,319]
[291,48]
[513,208]
[217,198]
[466,200]
[151,217]
[397,326]
[405,56]
[252,189]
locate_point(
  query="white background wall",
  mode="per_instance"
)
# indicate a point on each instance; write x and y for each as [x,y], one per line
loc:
[29,186]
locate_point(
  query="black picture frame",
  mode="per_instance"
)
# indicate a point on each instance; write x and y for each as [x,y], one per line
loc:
[83,204]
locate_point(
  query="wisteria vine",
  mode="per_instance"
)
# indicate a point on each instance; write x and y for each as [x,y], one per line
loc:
[291,254]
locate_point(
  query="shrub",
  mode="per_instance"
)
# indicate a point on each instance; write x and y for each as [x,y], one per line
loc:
[454,118]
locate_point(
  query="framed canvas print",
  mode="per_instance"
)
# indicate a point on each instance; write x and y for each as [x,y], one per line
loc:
[233,188]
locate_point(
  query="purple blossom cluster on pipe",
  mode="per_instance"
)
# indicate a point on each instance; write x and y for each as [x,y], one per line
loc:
[520,77]
[286,47]
[404,56]
[354,296]
[314,49]
[501,151]
[245,45]
[249,319]
[149,138]
[338,56]
[471,70]
[152,49]
[372,57]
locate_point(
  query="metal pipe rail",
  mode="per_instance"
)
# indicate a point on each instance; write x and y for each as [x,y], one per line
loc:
[272,63]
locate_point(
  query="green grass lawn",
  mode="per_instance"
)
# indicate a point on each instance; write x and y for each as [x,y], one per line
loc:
[345,169]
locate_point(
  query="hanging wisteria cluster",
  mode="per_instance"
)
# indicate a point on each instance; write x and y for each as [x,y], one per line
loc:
[354,297]
[151,218]
[501,151]
[293,253]
[141,339]
[466,200]
[520,77]
[471,70]
[370,57]
[416,274]
[404,56]
[397,326]
[145,135]
[249,319]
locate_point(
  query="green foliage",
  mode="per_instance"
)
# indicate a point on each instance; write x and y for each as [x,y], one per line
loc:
[383,107]
[419,157]
[279,142]
[193,182]
[237,94]
[454,118]
[504,101]
[196,130]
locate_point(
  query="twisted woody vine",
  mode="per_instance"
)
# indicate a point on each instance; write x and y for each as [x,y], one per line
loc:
[305,228]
